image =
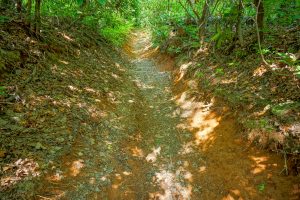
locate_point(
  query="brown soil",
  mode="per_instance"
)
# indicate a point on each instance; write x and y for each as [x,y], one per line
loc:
[178,149]
[97,127]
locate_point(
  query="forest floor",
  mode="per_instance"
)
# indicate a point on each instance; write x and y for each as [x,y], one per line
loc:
[94,126]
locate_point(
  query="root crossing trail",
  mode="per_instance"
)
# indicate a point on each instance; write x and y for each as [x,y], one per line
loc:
[161,143]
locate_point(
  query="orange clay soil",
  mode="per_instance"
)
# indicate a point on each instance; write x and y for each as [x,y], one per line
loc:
[163,143]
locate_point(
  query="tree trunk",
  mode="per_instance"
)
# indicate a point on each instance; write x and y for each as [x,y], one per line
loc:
[37,16]
[28,12]
[203,20]
[239,32]
[260,17]
[84,3]
[19,6]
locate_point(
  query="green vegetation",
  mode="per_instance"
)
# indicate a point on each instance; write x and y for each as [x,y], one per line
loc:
[79,81]
[112,19]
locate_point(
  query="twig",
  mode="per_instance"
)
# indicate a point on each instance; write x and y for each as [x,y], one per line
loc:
[285,168]
[186,10]
[258,35]
[194,10]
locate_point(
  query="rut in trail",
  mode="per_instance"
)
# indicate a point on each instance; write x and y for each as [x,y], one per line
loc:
[159,145]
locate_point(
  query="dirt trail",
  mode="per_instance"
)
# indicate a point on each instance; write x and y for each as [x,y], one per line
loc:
[161,143]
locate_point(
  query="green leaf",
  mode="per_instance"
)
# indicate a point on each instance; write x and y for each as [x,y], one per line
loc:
[261,187]
[39,146]
[102,2]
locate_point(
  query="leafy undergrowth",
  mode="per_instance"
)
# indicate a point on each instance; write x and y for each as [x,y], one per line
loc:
[265,98]
[52,89]
[117,30]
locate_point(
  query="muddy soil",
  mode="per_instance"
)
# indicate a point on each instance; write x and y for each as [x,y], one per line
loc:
[161,143]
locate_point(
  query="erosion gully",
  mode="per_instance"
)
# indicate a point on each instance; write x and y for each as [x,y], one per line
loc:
[161,143]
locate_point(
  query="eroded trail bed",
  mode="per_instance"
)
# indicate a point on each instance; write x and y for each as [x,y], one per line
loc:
[161,143]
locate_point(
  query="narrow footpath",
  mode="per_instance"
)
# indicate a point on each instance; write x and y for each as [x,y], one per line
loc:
[161,143]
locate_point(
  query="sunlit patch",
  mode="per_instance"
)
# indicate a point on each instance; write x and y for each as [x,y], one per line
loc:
[81,105]
[188,176]
[56,177]
[28,39]
[228,81]
[148,51]
[202,169]
[91,90]
[63,73]
[183,70]
[115,186]
[115,76]
[233,194]
[228,197]
[202,51]
[260,71]
[259,166]
[67,37]
[95,112]
[186,148]
[77,52]
[15,172]
[36,52]
[142,85]
[76,167]
[236,192]
[92,181]
[66,103]
[204,133]
[64,62]
[199,117]
[118,176]
[172,186]
[127,173]
[137,152]
[153,156]
[54,68]
[73,88]
[260,113]
[112,97]
[118,65]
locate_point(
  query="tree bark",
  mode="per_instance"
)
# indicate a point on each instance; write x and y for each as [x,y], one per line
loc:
[239,30]
[203,21]
[84,3]
[37,16]
[28,12]
[19,6]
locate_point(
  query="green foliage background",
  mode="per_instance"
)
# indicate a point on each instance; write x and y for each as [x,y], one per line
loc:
[113,19]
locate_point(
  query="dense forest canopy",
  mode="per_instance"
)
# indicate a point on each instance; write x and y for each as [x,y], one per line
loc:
[211,20]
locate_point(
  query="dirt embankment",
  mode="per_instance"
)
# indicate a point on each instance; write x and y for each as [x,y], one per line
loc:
[219,161]
[53,89]
[250,133]
[263,98]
